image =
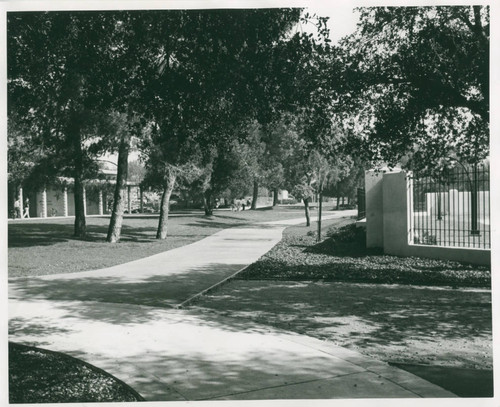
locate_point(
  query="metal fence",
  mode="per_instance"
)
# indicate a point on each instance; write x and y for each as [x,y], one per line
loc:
[452,209]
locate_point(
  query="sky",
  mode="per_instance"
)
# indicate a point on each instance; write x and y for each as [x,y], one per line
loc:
[342,18]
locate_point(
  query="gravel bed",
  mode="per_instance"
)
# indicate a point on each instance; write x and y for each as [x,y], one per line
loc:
[342,256]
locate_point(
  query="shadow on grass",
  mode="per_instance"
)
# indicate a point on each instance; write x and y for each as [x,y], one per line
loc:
[47,234]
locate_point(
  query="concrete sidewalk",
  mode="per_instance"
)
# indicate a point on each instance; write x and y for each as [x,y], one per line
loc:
[121,320]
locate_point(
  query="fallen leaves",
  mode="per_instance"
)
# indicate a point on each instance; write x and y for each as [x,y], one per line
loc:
[343,257]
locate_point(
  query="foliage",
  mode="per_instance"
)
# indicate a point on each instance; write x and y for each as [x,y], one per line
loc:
[60,90]
[136,171]
[58,82]
[416,83]
[349,182]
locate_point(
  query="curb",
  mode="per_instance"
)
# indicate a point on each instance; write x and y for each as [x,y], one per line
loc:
[211,288]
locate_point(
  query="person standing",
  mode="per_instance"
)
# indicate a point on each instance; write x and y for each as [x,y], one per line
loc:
[27,208]
[17,208]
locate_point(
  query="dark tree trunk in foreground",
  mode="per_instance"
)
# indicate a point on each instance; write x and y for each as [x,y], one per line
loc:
[255,194]
[115,224]
[207,202]
[275,196]
[165,203]
[306,209]
[80,224]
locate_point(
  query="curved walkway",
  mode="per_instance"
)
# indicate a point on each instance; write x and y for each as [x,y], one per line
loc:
[122,319]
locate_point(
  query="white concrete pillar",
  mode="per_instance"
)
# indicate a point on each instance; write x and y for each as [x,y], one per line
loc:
[21,199]
[44,203]
[84,202]
[101,210]
[374,209]
[410,213]
[395,207]
[65,201]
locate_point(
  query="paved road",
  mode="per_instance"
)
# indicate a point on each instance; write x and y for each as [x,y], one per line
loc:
[122,320]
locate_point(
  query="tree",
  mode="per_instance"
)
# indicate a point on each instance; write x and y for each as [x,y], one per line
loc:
[122,129]
[211,72]
[348,182]
[168,156]
[58,87]
[416,79]
[278,137]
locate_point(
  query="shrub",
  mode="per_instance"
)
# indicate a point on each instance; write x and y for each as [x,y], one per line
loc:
[348,234]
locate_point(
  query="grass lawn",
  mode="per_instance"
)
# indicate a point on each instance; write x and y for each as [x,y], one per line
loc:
[41,376]
[39,247]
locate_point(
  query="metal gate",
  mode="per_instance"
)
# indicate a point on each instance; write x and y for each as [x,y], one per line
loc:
[452,209]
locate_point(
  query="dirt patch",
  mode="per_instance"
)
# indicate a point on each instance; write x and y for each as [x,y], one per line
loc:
[437,326]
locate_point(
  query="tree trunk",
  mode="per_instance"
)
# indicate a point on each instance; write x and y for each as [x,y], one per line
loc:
[161,233]
[207,203]
[115,224]
[275,196]
[306,209]
[320,210]
[255,194]
[80,224]
[338,201]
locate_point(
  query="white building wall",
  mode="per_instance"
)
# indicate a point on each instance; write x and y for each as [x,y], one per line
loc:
[388,202]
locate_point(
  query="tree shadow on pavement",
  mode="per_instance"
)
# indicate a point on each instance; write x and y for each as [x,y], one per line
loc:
[209,362]
[361,316]
[153,290]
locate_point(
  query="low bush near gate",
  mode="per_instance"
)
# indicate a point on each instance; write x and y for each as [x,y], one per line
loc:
[40,376]
[343,256]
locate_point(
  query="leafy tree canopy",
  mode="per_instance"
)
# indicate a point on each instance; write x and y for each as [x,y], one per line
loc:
[416,82]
